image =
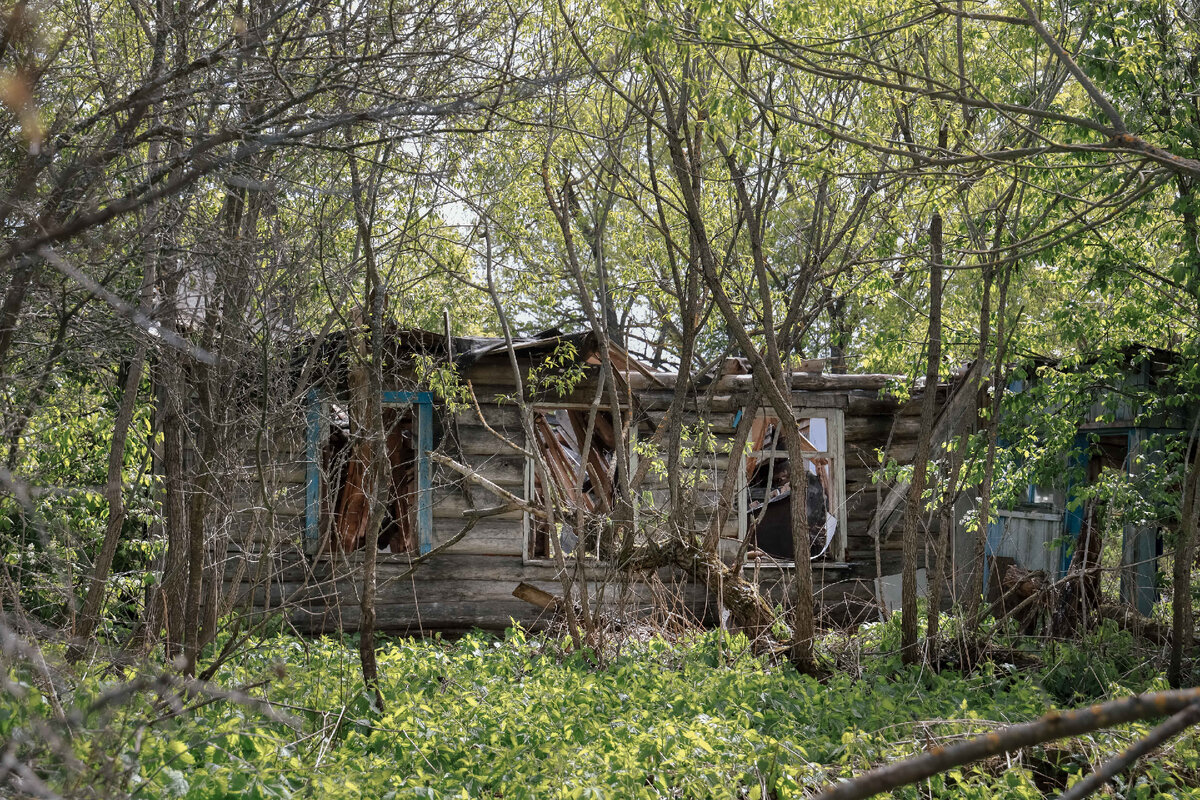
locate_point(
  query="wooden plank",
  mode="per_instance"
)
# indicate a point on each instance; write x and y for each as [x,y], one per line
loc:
[489,536]
[536,597]
[452,566]
[476,440]
[503,470]
[499,415]
[431,616]
[879,428]
[451,507]
[345,592]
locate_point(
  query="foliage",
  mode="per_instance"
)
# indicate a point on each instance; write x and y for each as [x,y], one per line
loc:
[65,451]
[1104,660]
[519,717]
[558,374]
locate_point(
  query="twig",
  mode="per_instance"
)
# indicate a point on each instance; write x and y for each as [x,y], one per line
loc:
[474,477]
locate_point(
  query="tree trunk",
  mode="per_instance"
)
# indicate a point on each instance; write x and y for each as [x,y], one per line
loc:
[169,595]
[839,337]
[115,496]
[945,533]
[976,589]
[978,552]
[914,509]
[1185,547]
[366,386]
[369,401]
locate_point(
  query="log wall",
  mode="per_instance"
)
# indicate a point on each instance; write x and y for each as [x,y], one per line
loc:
[470,584]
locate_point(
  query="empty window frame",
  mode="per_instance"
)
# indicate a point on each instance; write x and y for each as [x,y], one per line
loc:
[337,499]
[561,434]
[765,500]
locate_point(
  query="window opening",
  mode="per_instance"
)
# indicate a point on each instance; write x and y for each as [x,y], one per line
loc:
[767,499]
[560,435]
[338,497]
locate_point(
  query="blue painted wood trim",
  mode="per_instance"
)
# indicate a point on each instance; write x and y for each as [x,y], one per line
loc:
[424,474]
[423,404]
[312,493]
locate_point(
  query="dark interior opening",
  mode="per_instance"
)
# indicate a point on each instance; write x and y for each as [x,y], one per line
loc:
[346,498]
[769,489]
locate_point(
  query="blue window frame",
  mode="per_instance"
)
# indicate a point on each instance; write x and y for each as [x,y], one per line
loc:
[317,429]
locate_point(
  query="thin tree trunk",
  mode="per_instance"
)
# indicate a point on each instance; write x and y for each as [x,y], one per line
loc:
[978,552]
[1185,547]
[937,575]
[171,589]
[541,470]
[10,309]
[366,378]
[115,497]
[840,336]
[367,383]
[169,595]
[976,589]
[914,508]
[1181,583]
[198,504]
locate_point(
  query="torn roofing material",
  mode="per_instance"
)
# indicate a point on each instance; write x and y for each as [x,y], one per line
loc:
[324,355]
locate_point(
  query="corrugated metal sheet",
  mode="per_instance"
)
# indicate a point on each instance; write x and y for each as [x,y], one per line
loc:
[1024,536]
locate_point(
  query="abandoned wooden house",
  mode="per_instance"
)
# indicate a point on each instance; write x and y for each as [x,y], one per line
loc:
[481,533]
[1121,424]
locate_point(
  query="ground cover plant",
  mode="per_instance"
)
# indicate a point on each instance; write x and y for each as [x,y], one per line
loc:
[520,716]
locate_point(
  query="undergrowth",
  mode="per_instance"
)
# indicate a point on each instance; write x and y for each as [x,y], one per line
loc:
[520,717]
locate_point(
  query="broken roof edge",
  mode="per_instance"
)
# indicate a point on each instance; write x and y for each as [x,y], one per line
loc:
[326,353]
[469,351]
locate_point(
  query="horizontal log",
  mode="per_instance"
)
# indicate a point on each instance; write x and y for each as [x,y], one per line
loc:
[490,536]
[863,454]
[347,592]
[424,617]
[449,507]
[476,440]
[867,402]
[452,566]
[863,429]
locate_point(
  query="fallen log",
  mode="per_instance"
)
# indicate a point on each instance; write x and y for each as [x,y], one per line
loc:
[1054,725]
[1129,620]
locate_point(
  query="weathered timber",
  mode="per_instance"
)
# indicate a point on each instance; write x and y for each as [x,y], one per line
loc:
[537,597]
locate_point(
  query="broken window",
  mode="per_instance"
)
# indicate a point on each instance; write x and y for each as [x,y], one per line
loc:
[561,435]
[338,503]
[766,499]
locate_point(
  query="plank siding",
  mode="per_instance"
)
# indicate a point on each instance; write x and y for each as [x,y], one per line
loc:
[470,584]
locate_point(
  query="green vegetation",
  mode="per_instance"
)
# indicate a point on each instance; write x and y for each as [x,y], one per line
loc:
[520,717]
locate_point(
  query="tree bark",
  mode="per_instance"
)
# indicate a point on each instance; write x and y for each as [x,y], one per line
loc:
[976,589]
[1054,725]
[1182,614]
[114,495]
[366,381]
[914,508]
[169,594]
